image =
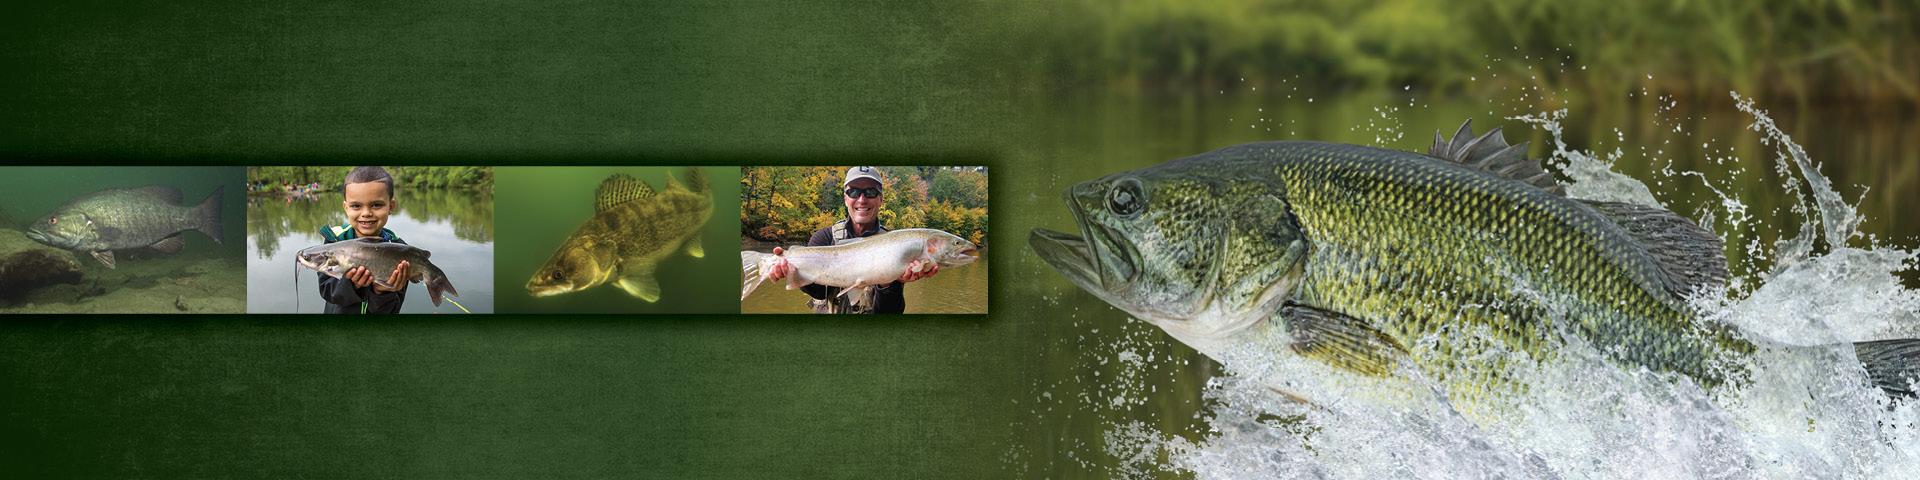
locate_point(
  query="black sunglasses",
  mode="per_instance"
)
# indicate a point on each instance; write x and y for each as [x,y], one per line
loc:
[869,192]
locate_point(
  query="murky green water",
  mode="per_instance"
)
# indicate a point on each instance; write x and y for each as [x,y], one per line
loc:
[961,289]
[1097,369]
[541,206]
[204,278]
[456,225]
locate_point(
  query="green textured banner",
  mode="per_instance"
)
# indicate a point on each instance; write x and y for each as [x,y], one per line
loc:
[533,83]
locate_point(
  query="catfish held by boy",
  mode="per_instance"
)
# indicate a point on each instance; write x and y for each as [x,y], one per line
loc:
[364,267]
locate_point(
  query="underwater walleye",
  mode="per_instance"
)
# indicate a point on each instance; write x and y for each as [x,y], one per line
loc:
[125,218]
[858,263]
[632,228]
[1348,257]
[380,258]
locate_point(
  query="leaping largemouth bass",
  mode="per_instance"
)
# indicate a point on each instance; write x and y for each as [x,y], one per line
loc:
[1349,256]
[875,260]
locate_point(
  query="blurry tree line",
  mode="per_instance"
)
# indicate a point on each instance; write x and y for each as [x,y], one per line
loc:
[403,177]
[1800,49]
[787,204]
[470,213]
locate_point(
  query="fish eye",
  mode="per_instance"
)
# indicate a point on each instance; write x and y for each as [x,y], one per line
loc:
[1124,199]
[555,276]
[53,220]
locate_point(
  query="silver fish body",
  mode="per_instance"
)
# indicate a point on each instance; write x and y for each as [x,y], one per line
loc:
[875,260]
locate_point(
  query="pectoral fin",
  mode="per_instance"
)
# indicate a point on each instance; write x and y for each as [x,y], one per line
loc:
[855,293]
[171,244]
[105,257]
[693,247]
[637,280]
[1339,340]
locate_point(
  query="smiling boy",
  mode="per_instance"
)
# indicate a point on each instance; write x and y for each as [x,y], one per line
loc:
[369,202]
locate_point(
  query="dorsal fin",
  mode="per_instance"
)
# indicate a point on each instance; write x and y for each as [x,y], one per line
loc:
[674,184]
[1688,256]
[619,189]
[697,179]
[1490,153]
[166,193]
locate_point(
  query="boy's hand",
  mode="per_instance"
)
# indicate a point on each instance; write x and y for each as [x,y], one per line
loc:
[398,279]
[361,278]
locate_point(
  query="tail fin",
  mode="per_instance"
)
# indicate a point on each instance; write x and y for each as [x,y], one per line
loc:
[697,179]
[1893,365]
[210,215]
[752,266]
[437,285]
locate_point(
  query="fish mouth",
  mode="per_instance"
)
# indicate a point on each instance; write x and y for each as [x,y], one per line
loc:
[543,290]
[315,261]
[1100,260]
[1067,254]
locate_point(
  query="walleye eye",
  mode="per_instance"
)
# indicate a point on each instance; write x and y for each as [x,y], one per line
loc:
[1124,199]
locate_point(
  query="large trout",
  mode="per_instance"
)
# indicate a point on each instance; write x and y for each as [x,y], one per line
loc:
[863,262]
[1349,256]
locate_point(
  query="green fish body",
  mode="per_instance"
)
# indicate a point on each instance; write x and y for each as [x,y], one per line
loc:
[633,227]
[127,218]
[1365,261]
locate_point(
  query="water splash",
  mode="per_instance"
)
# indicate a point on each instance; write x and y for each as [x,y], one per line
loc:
[1806,413]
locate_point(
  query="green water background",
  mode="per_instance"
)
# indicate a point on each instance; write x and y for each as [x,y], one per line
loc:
[1026,392]
[456,225]
[27,193]
[540,207]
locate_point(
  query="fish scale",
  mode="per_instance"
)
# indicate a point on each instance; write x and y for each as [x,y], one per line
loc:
[1340,200]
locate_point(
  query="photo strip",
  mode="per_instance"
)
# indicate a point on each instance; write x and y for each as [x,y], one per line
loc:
[864,239]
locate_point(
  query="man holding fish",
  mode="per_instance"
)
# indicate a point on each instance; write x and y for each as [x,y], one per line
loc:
[862,196]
